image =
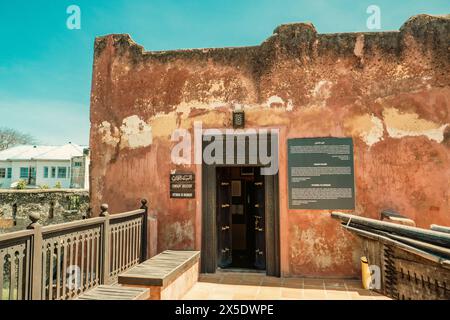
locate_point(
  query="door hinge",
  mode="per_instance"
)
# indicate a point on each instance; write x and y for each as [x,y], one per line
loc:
[225,228]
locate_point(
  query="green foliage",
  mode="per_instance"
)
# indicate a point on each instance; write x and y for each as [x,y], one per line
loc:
[74,202]
[58,185]
[21,184]
[43,186]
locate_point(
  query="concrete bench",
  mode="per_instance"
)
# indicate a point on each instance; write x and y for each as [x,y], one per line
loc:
[115,292]
[168,275]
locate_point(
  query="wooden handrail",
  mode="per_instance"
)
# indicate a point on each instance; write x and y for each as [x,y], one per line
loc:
[15,235]
[72,225]
[98,248]
[126,214]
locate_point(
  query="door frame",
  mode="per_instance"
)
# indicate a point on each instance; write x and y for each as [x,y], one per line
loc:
[208,260]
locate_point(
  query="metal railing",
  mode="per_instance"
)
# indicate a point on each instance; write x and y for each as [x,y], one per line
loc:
[59,262]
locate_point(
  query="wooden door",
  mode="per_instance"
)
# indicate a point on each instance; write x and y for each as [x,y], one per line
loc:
[224,223]
[259,222]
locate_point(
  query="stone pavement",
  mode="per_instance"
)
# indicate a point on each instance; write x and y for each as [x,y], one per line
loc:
[257,286]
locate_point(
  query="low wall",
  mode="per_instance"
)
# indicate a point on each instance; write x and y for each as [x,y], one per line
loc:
[54,206]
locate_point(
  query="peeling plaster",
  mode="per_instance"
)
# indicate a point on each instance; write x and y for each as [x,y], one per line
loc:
[136,133]
[359,46]
[322,90]
[400,125]
[108,137]
[274,100]
[290,105]
[368,127]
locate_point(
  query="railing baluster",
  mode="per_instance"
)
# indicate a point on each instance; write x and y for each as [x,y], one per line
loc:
[44,272]
[124,254]
[139,239]
[64,268]
[120,246]
[20,271]
[91,277]
[97,258]
[136,242]
[132,259]
[72,239]
[74,292]
[144,229]
[12,274]
[88,259]
[82,274]
[27,269]
[58,269]
[105,244]
[127,235]
[50,271]
[2,266]
[37,264]
[113,249]
[117,249]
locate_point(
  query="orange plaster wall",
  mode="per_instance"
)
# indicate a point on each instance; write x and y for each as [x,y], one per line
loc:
[389,91]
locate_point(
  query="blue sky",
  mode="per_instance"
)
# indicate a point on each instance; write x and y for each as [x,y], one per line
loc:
[45,68]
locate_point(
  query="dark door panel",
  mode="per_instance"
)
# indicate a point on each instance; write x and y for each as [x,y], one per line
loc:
[259,222]
[224,223]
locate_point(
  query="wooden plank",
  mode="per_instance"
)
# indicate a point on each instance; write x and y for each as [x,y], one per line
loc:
[114,292]
[439,250]
[430,236]
[160,270]
[397,217]
[438,228]
[398,244]
[421,245]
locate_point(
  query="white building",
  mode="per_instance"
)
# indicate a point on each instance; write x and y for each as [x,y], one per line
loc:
[45,166]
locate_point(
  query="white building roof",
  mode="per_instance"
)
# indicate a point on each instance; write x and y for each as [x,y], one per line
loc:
[64,152]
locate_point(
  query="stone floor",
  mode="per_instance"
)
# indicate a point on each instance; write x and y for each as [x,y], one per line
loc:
[257,286]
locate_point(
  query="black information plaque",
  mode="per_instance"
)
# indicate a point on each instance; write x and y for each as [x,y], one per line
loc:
[182,185]
[321,173]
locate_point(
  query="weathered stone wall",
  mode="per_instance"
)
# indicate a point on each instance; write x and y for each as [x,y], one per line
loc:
[68,205]
[390,91]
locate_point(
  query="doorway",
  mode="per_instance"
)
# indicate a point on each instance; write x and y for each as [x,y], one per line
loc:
[239,235]
[240,210]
